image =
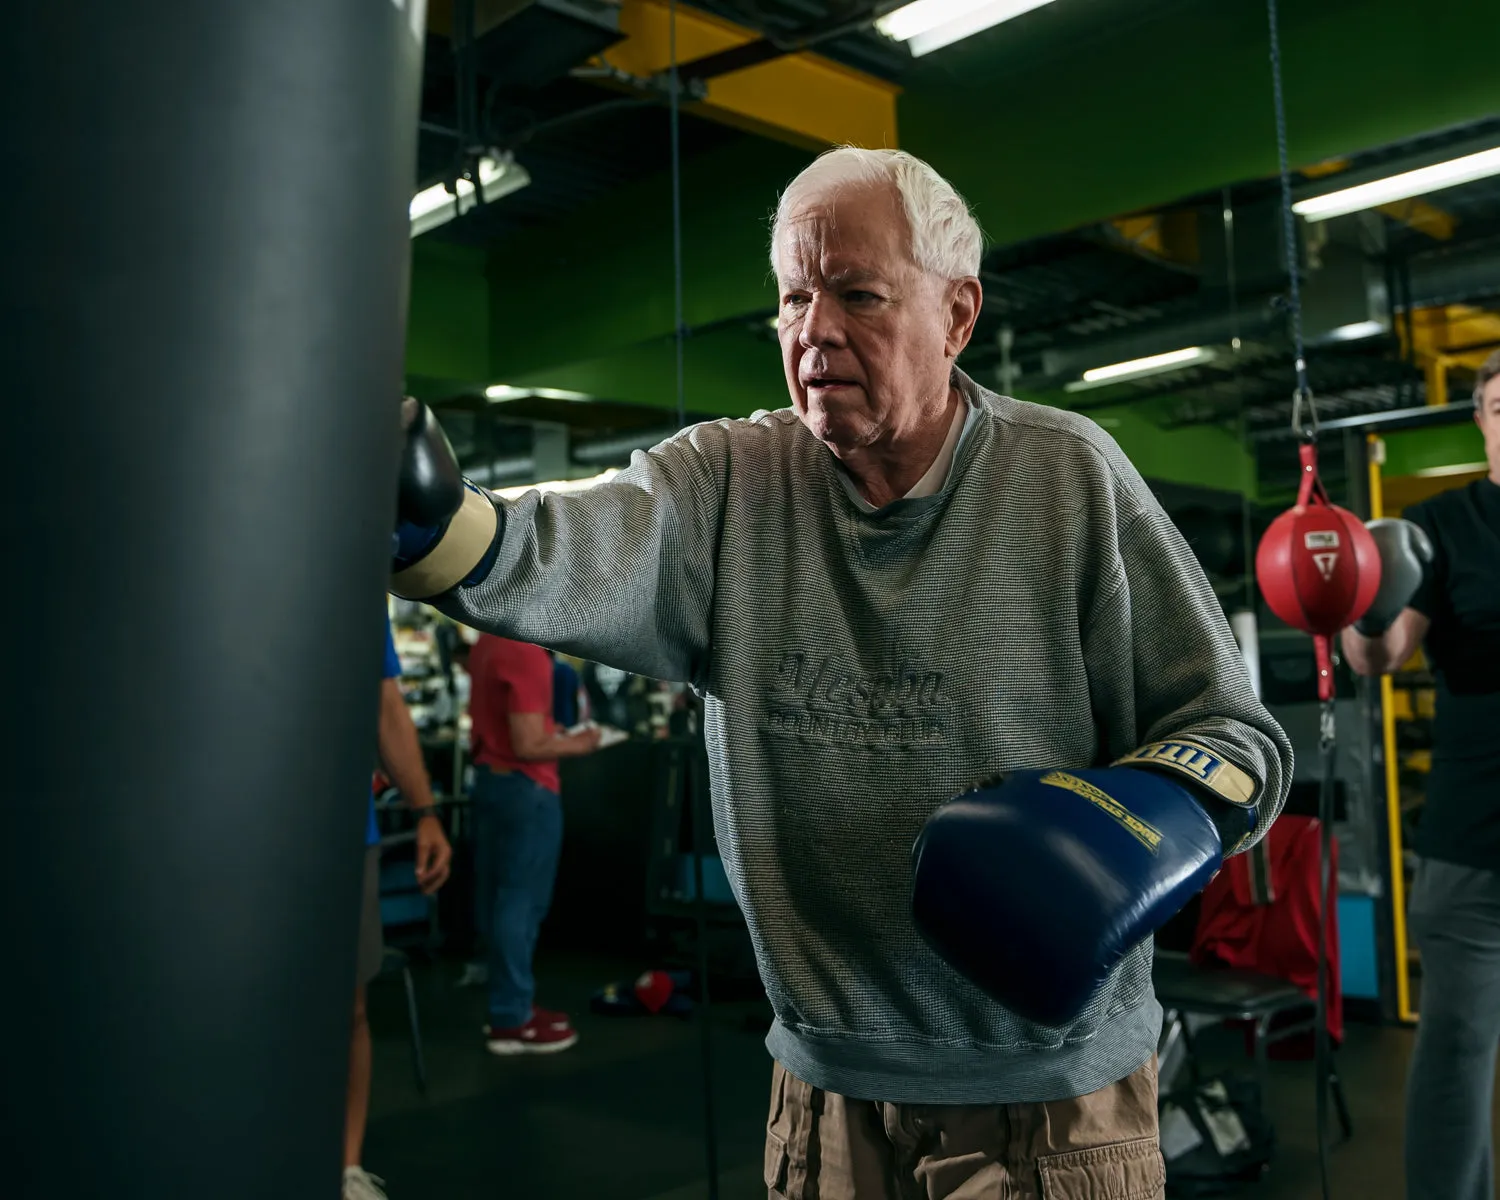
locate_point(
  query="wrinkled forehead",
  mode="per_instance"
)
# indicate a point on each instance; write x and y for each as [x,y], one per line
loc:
[840,227]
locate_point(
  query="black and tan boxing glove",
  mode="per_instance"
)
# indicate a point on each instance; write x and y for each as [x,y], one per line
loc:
[447,529]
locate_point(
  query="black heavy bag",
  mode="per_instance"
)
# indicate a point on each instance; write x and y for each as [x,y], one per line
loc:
[205,212]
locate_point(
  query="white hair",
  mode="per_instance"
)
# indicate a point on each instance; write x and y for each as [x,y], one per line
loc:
[945,237]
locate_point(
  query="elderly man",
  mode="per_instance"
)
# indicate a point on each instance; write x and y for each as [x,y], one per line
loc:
[898,586]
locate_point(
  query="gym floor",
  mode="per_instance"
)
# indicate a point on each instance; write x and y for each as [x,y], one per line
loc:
[620,1115]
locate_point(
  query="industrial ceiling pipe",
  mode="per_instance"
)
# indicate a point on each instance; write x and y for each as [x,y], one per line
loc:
[1455,275]
[1069,361]
[204,304]
[619,449]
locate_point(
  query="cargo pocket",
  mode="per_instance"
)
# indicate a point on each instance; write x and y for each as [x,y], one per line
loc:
[775,1163]
[1123,1171]
[787,1132]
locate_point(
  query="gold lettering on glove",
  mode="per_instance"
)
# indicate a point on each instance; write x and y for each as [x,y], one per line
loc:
[1148,835]
[1199,764]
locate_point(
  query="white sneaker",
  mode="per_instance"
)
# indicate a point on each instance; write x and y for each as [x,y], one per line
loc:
[360,1185]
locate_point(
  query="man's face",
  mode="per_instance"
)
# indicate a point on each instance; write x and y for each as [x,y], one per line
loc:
[1487,414]
[867,336]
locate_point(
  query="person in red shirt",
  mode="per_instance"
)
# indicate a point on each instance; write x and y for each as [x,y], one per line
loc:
[518,825]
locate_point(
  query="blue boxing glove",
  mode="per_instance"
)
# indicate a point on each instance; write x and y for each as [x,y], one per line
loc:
[1035,888]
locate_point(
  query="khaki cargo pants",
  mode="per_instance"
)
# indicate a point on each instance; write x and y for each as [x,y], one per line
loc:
[1103,1146]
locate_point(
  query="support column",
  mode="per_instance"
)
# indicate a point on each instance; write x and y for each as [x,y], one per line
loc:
[203,308]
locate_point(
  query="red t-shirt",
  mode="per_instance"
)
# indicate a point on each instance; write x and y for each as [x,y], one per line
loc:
[509,677]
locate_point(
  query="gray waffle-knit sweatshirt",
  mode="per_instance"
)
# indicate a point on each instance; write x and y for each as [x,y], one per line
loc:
[858,669]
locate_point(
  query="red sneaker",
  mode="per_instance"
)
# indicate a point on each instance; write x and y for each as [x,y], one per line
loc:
[534,1037]
[546,1016]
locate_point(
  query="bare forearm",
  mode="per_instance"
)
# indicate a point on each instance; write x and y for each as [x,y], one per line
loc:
[401,751]
[561,745]
[1389,650]
[1366,656]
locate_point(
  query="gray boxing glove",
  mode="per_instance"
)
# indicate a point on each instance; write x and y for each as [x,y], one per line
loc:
[1405,552]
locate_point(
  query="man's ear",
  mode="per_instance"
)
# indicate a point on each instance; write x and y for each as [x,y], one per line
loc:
[966,298]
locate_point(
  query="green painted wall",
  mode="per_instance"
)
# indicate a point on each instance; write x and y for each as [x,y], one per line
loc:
[448,322]
[1042,133]
[726,373]
[731,373]
[1412,450]
[1205,456]
[601,279]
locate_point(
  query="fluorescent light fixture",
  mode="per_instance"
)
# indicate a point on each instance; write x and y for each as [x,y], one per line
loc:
[1139,368]
[1455,469]
[928,25]
[1401,187]
[498,392]
[436,205]
[1354,331]
[556,485]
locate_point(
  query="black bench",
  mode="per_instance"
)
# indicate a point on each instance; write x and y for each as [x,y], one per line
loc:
[1229,994]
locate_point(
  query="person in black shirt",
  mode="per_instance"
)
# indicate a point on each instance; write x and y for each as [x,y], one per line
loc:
[1454,913]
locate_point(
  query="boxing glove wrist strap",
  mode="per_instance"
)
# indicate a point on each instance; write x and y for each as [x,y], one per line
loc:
[468,537]
[1218,782]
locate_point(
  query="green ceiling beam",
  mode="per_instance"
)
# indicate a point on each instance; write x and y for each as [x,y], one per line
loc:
[1044,130]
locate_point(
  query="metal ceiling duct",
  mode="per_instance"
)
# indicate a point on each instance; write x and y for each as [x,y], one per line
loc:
[1456,274]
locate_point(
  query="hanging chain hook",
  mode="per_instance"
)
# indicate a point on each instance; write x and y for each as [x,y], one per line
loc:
[1304,411]
[1304,407]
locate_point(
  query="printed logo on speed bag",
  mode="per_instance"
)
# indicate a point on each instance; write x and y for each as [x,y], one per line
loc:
[1326,541]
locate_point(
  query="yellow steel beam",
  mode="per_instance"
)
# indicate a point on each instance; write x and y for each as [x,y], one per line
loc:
[1436,371]
[1438,336]
[1392,784]
[1330,166]
[1422,216]
[803,98]
[1169,236]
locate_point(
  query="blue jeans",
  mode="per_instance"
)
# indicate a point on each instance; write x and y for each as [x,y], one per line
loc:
[518,827]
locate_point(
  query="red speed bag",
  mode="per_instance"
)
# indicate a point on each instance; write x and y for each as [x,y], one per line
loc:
[653,989]
[1317,564]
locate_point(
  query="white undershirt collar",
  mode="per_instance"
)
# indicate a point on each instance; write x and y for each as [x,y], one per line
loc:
[936,476]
